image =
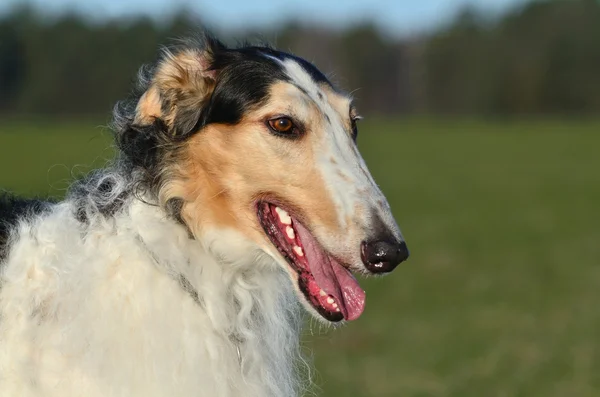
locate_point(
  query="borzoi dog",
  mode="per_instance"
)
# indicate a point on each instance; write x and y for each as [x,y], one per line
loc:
[238,193]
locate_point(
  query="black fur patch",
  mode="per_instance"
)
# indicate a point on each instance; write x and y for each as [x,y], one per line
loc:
[140,143]
[12,210]
[244,78]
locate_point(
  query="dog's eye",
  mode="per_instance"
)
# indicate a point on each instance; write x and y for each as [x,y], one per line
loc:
[354,120]
[282,125]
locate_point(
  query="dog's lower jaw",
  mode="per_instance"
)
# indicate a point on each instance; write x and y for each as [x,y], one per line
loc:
[98,309]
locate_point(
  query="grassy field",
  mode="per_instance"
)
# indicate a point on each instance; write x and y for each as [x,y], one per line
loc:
[499,296]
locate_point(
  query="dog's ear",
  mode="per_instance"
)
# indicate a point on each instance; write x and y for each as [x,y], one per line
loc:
[181,85]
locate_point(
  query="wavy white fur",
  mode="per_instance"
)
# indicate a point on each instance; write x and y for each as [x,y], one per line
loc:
[129,305]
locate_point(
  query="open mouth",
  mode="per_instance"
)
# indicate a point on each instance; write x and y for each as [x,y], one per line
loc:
[327,285]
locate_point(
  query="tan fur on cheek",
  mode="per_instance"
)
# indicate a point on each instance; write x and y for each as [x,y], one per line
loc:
[225,169]
[213,186]
[207,199]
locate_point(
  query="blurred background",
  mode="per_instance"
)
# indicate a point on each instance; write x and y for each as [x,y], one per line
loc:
[482,126]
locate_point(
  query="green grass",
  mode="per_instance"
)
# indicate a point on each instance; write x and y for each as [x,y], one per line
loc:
[499,296]
[43,157]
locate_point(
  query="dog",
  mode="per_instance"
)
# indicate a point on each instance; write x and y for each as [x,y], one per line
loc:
[238,201]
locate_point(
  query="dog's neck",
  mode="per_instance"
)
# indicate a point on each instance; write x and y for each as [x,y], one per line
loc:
[246,295]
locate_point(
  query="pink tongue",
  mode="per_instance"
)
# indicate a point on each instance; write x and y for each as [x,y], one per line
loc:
[332,277]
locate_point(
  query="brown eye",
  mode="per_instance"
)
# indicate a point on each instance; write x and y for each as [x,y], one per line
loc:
[282,125]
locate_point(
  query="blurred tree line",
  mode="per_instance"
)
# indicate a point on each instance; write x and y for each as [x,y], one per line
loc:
[543,58]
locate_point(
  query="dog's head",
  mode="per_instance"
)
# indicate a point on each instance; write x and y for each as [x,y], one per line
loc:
[260,142]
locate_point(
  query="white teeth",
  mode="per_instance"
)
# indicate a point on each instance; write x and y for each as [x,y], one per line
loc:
[284,217]
[330,300]
[290,232]
[298,251]
[335,305]
[322,293]
[337,309]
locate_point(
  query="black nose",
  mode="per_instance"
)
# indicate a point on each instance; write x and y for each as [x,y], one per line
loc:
[383,256]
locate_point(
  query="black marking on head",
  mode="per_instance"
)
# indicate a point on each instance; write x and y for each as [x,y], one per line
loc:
[327,118]
[14,209]
[245,76]
[320,95]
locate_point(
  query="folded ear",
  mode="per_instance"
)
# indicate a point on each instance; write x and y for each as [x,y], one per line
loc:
[181,85]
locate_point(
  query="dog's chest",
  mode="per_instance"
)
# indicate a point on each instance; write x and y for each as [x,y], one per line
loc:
[129,330]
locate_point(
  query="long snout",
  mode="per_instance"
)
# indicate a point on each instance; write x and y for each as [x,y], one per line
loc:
[361,207]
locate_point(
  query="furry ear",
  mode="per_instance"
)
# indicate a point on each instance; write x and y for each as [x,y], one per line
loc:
[180,88]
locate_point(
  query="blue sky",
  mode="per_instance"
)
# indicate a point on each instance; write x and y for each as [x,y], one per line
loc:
[396,16]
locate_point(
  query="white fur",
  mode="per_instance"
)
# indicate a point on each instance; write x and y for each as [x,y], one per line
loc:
[97,309]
